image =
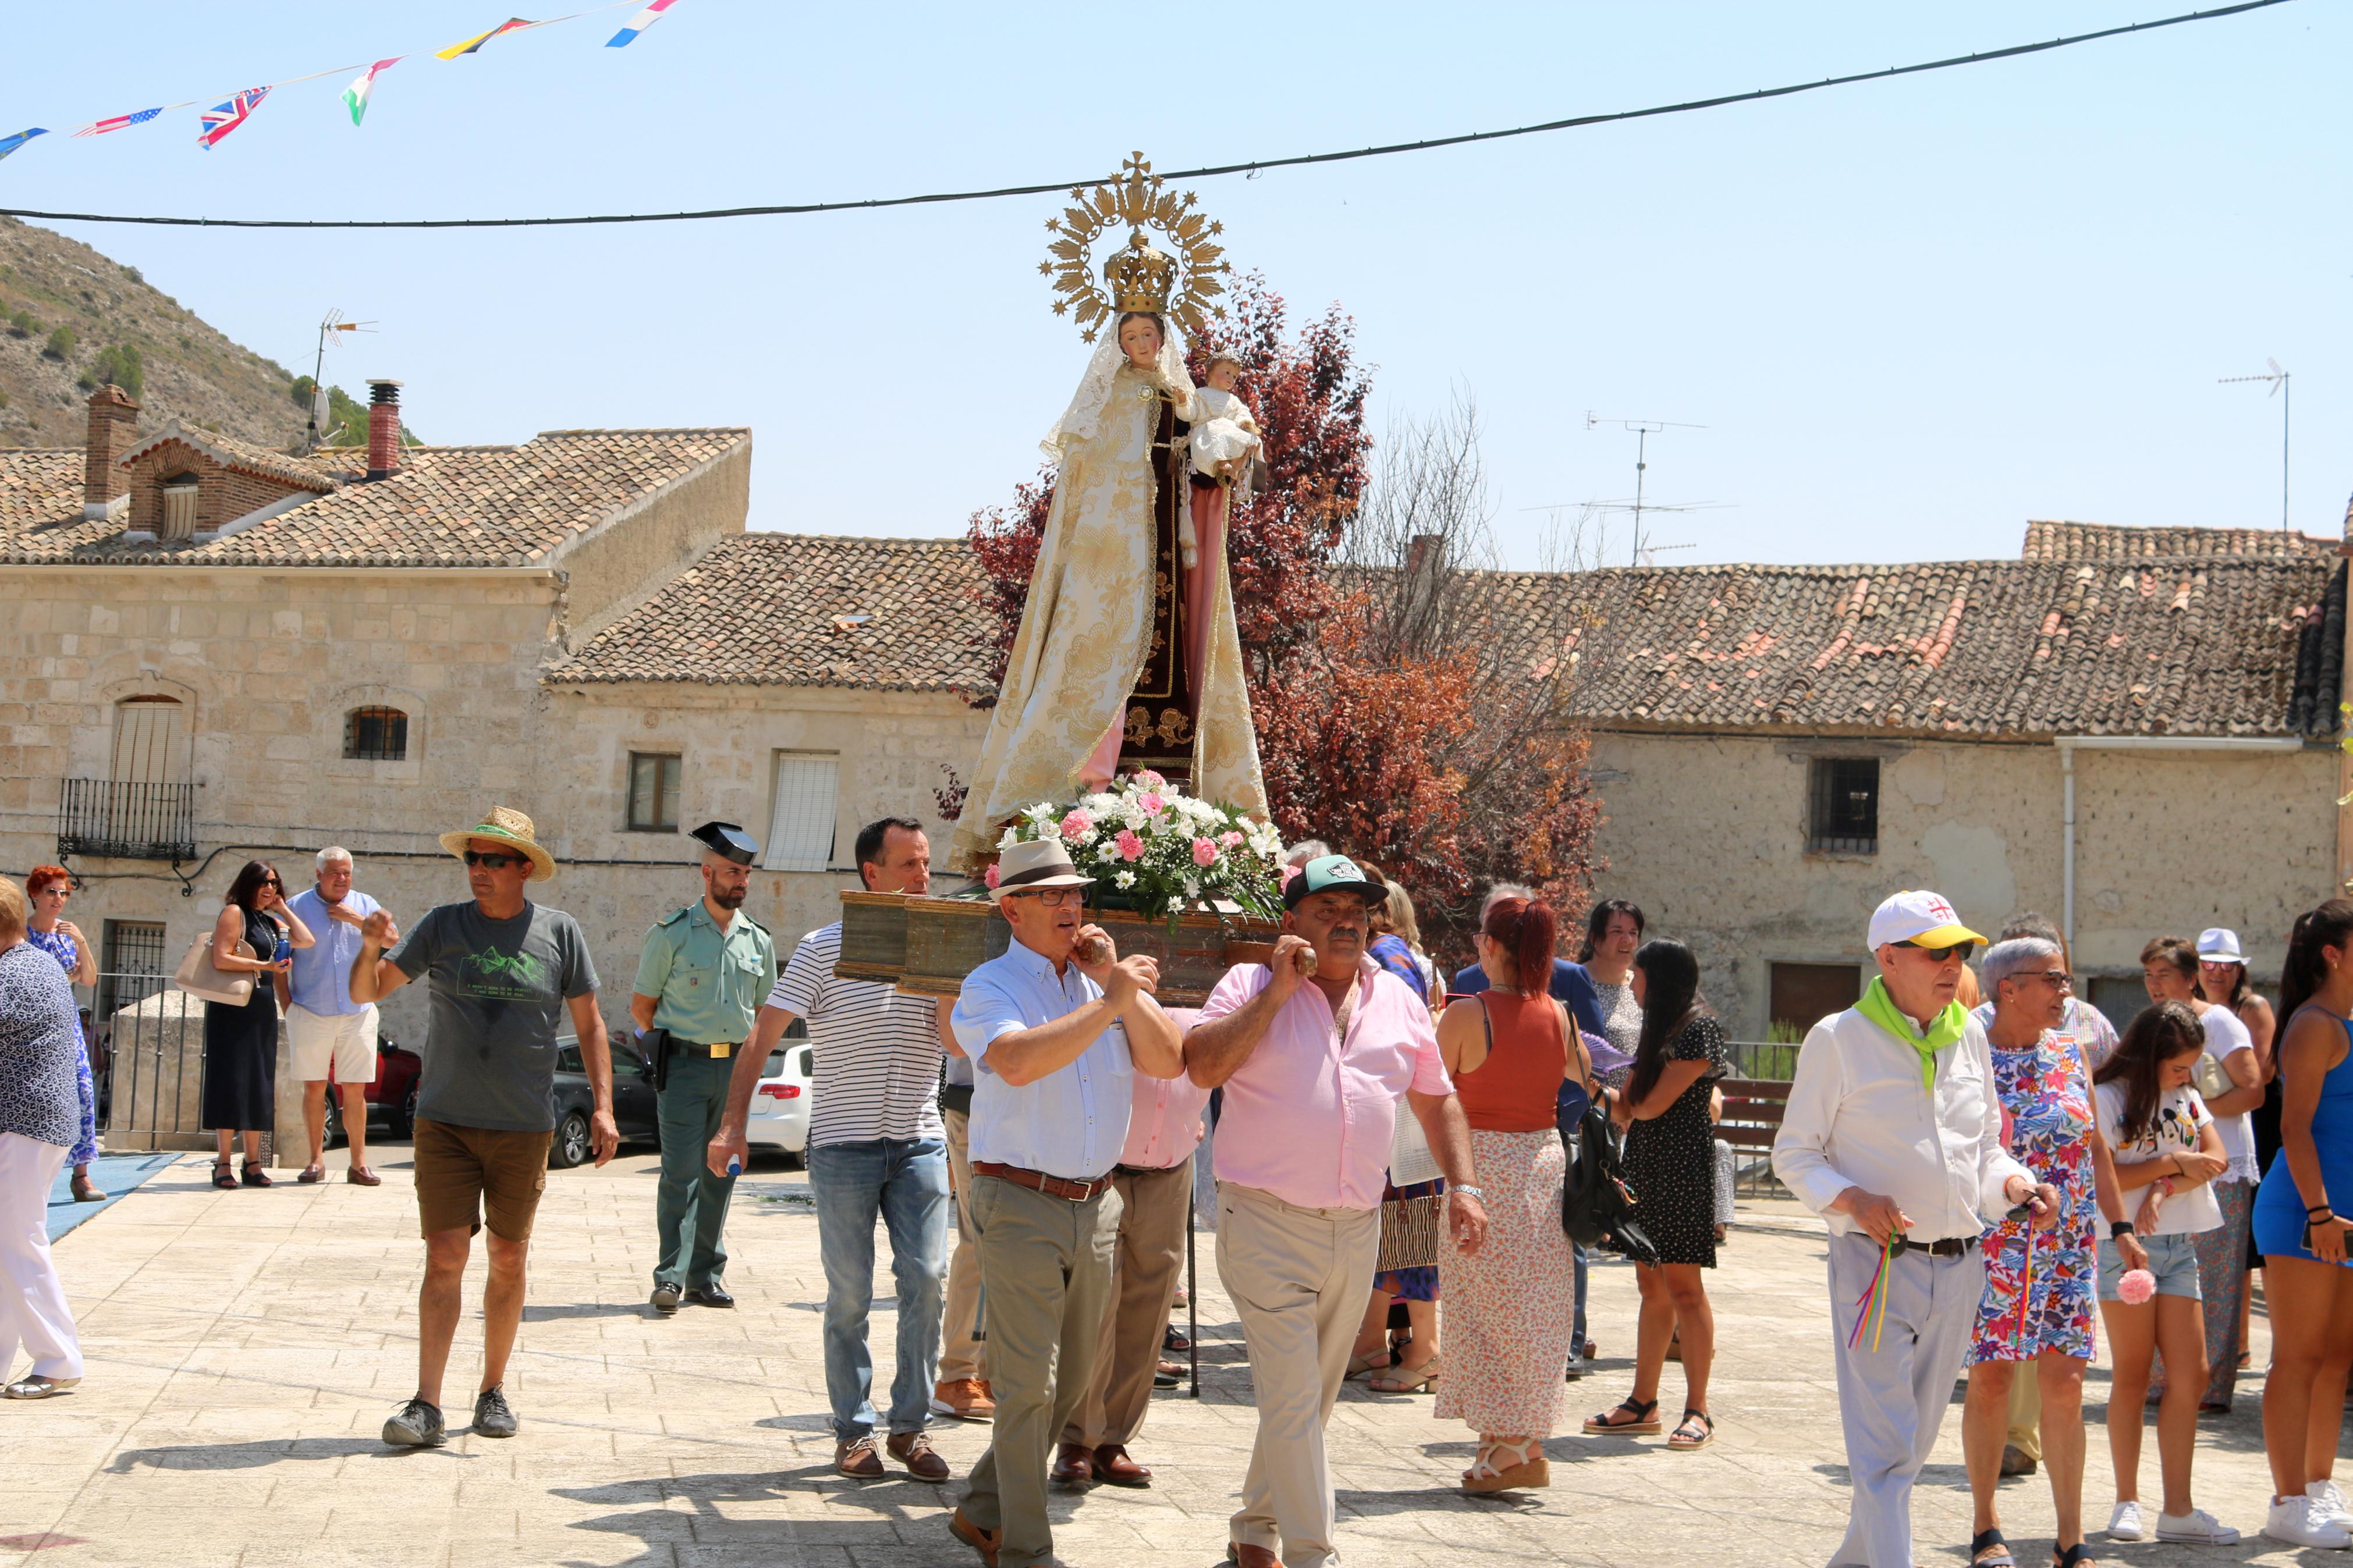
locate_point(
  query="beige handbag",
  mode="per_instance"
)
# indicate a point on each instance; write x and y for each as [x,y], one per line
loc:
[198,976]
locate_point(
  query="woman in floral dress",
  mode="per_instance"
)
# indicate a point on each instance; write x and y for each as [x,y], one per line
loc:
[2040,1286]
[51,887]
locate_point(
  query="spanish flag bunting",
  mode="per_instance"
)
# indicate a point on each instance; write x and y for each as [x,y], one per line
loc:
[355,97]
[639,23]
[512,24]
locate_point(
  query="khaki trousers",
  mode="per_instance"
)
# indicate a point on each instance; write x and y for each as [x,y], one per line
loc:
[1299,1279]
[2025,1433]
[1045,1267]
[1153,1206]
[961,1355]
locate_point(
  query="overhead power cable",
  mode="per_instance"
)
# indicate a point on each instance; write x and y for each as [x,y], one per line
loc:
[798,209]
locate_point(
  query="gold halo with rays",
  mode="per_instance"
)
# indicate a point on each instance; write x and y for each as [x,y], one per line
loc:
[1183,285]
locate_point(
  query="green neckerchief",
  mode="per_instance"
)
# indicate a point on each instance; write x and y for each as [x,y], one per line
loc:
[1943,1029]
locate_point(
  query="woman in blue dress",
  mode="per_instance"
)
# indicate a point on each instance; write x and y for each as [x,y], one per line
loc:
[50,886]
[2307,1279]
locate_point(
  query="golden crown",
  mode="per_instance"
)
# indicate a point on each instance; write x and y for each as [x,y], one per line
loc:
[1140,278]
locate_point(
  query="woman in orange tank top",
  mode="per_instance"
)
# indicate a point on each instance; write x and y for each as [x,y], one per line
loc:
[1511,1307]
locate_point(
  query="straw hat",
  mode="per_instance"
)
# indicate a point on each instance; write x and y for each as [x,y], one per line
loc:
[506,826]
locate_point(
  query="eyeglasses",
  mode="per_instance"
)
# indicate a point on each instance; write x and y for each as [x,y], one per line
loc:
[2059,977]
[495,862]
[1939,954]
[1053,898]
[274,882]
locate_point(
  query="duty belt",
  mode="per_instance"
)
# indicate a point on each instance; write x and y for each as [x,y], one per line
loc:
[1040,1182]
[717,1051]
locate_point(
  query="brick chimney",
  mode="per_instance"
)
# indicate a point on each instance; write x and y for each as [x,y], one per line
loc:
[114,425]
[384,430]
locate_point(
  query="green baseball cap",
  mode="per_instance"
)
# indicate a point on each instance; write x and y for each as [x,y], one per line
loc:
[1332,874]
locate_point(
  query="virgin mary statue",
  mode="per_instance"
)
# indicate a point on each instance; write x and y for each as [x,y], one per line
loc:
[1099,682]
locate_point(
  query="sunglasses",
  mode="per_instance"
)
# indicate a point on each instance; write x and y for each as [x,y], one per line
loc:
[495,862]
[1939,954]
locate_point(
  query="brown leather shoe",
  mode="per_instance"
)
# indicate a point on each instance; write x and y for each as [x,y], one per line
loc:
[914,1450]
[1113,1465]
[985,1542]
[858,1460]
[361,1176]
[1074,1464]
[1243,1556]
[312,1173]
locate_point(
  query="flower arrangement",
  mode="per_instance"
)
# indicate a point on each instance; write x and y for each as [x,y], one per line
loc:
[1162,850]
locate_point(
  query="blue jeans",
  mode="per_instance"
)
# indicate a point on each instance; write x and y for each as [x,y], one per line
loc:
[905,1181]
[1583,1263]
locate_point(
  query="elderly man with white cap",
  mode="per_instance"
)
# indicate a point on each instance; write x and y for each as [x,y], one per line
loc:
[1893,1135]
[1057,1030]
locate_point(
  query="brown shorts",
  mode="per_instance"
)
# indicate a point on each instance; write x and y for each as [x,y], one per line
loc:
[462,1172]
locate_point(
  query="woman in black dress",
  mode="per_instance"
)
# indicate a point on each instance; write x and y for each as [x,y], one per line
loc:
[241,1043]
[1671,1165]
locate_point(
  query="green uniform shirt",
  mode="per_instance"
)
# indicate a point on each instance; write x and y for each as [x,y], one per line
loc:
[709,983]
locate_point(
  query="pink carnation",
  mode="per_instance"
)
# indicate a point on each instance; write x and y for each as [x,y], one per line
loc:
[1150,780]
[1131,847]
[1231,839]
[1153,805]
[1204,852]
[990,877]
[1076,826]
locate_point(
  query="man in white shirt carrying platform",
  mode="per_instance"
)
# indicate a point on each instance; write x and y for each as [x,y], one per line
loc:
[1903,1072]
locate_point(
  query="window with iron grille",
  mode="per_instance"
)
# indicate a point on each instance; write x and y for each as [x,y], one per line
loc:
[1845,819]
[375,735]
[653,793]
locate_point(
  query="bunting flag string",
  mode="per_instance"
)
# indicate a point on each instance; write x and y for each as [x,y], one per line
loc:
[639,23]
[355,97]
[223,118]
[512,24]
[235,108]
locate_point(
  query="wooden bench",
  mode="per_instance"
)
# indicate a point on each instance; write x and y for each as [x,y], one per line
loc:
[1753,1109]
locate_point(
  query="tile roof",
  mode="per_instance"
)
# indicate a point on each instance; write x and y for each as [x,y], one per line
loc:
[449,506]
[2172,646]
[2112,541]
[779,609]
[230,453]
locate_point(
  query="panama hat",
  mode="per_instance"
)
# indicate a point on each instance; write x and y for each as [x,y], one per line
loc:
[504,825]
[1033,864]
[2220,945]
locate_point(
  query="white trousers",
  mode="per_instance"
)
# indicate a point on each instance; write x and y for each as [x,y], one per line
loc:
[32,1302]
[1891,1399]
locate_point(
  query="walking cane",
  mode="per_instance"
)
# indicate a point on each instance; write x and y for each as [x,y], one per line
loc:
[1192,1299]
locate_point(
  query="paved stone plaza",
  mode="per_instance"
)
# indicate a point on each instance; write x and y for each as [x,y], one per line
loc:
[246,1347]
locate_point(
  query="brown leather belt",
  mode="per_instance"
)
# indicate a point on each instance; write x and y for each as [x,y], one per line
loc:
[1951,1246]
[1040,1182]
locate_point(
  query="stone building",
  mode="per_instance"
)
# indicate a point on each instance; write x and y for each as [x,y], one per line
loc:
[210,653]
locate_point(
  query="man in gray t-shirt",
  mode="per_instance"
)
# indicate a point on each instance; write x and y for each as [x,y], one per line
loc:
[501,973]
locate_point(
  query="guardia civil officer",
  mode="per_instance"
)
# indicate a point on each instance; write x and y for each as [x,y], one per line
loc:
[704,972]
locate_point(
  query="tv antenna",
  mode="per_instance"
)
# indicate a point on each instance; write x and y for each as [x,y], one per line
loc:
[1643,430]
[332,321]
[2279,380]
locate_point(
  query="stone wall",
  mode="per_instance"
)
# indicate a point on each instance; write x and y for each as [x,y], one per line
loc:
[1708,835]
[639,553]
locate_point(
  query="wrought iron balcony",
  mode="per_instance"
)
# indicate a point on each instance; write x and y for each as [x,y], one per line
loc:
[127,821]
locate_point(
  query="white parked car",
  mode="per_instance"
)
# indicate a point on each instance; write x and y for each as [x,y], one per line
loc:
[780,1106]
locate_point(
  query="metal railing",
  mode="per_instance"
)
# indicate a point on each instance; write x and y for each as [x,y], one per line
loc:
[127,821]
[1751,1116]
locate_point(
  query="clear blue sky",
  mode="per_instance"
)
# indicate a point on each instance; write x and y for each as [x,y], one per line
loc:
[1910,314]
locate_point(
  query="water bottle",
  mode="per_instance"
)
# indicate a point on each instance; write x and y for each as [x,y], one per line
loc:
[283,950]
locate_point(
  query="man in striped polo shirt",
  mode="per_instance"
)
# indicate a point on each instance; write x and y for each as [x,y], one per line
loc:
[876,1145]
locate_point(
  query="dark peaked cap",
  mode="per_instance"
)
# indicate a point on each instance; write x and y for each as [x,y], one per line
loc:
[729,842]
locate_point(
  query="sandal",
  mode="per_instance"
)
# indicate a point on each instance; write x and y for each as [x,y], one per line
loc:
[2072,1557]
[1699,1419]
[1985,1541]
[1529,1467]
[1360,1364]
[1405,1379]
[255,1177]
[222,1176]
[1645,1413]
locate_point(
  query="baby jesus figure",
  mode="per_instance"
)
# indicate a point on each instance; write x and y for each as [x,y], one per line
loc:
[1224,445]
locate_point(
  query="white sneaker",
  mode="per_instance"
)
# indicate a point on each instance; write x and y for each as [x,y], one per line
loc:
[2328,1503]
[2125,1523]
[2298,1521]
[2196,1525]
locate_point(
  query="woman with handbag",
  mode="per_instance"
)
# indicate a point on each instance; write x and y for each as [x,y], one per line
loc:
[242,1040]
[2229,1080]
[1671,1165]
[1511,1306]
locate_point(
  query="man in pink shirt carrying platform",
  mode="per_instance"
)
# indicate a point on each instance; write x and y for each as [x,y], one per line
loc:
[1313,1053]
[1154,1179]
